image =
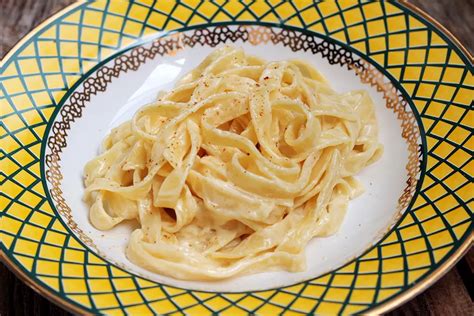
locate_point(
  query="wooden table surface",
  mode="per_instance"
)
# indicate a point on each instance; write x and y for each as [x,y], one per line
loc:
[451,295]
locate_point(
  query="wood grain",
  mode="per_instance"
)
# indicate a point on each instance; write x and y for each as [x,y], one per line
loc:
[451,295]
[454,15]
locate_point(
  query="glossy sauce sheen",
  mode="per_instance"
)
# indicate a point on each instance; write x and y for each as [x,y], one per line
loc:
[236,169]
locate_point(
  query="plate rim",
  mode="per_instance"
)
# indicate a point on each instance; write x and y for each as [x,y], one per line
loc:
[385,306]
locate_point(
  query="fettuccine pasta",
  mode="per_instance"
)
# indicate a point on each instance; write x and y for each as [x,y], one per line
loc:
[235,170]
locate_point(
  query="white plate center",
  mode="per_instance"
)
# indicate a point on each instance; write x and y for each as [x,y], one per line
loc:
[368,216]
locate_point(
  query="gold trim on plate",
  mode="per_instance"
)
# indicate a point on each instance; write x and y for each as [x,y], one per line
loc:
[438,25]
[43,291]
[389,305]
[37,28]
[255,35]
[418,288]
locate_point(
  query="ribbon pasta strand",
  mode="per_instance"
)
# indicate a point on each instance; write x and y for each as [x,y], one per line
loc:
[235,170]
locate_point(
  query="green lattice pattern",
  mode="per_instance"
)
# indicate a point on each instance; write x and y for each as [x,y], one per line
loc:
[436,77]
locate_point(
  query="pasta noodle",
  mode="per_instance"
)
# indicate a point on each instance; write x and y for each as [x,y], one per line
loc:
[234,170]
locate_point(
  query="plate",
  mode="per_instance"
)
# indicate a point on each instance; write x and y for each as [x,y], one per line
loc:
[89,67]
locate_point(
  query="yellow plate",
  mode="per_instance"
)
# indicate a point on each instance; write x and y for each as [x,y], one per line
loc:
[423,61]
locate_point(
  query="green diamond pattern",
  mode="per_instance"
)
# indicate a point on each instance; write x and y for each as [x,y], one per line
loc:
[441,216]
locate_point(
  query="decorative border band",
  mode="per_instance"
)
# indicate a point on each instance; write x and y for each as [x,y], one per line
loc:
[254,35]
